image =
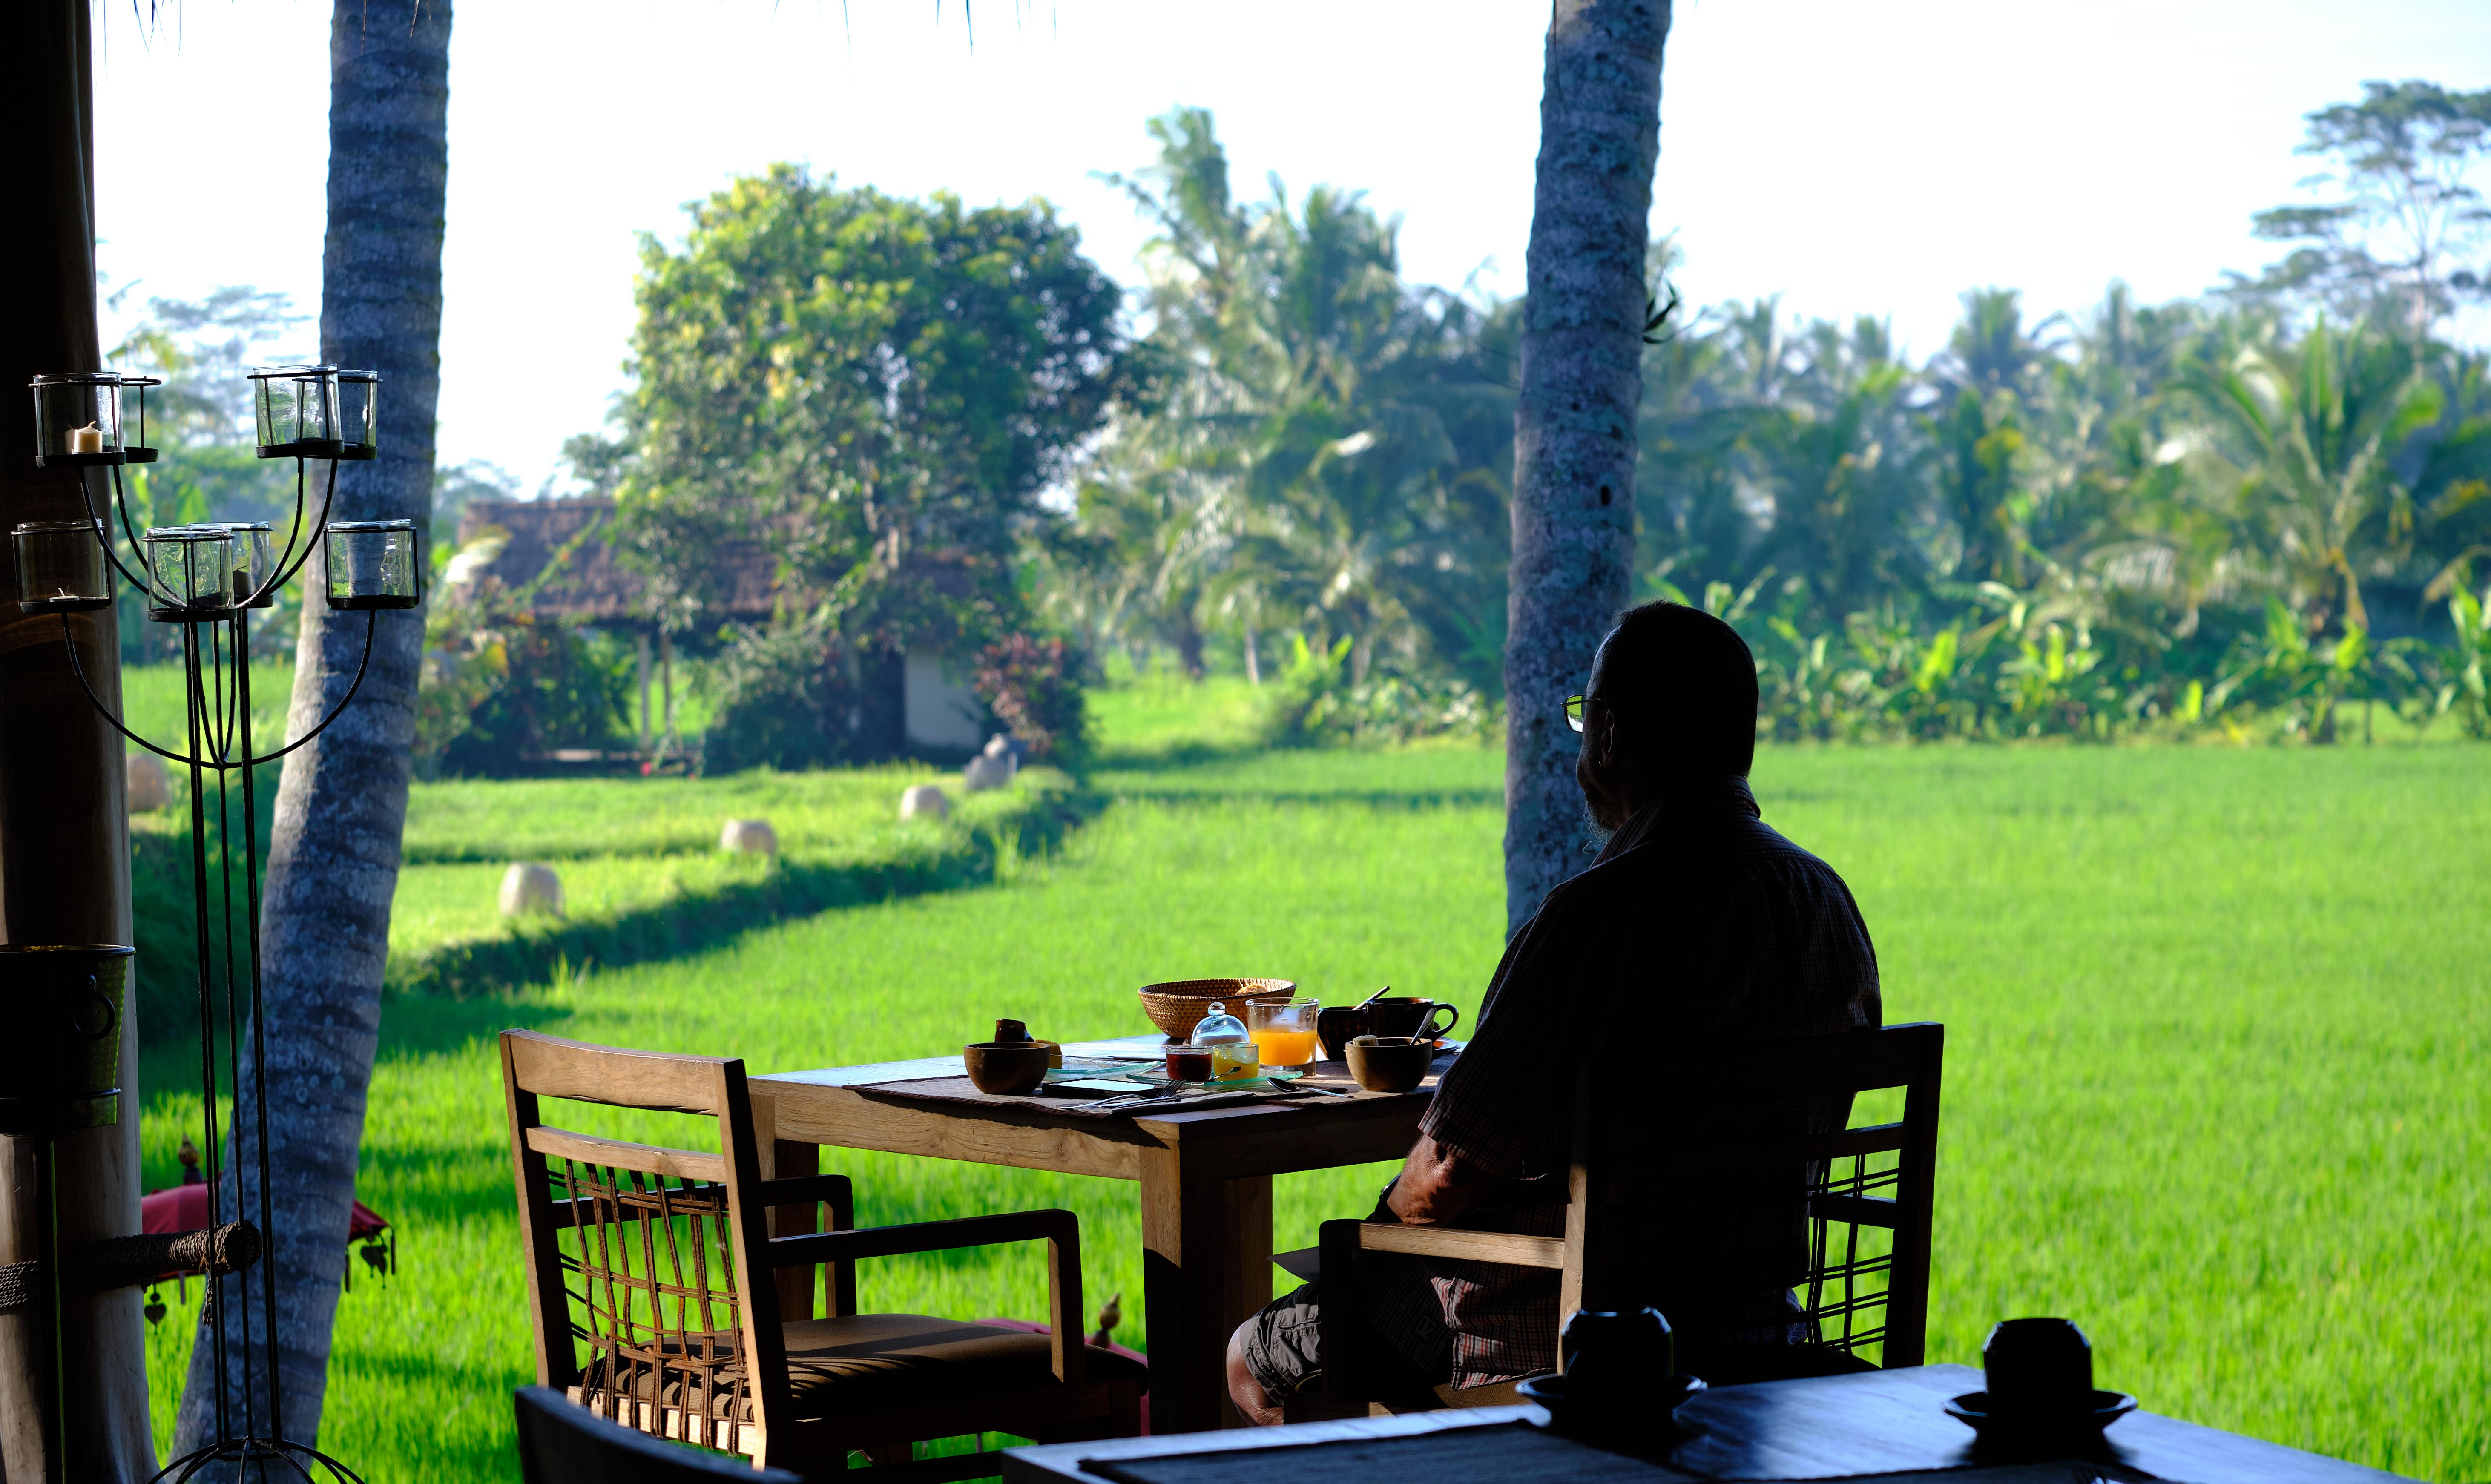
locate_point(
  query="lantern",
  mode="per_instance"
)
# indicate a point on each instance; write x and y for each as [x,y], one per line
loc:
[254,560]
[60,567]
[374,564]
[137,450]
[190,573]
[296,411]
[60,1064]
[77,418]
[358,412]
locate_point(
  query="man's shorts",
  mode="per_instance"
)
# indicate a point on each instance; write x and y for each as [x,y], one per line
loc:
[1282,1345]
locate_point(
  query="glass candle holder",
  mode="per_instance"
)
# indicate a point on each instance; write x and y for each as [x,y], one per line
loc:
[134,446]
[358,414]
[77,418]
[254,559]
[190,573]
[1283,1031]
[374,564]
[60,567]
[296,407]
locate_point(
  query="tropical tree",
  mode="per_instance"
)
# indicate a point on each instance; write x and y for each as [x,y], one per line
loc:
[877,388]
[2305,441]
[342,807]
[2406,216]
[1575,427]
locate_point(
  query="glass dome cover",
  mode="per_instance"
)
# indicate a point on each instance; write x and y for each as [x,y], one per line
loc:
[1219,1027]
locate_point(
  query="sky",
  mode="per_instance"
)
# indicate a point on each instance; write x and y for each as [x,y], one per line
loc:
[1852,159]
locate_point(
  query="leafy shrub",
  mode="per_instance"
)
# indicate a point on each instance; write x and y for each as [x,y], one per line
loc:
[559,688]
[783,699]
[1313,703]
[1034,687]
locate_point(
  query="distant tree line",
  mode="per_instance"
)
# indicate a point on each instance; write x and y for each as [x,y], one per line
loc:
[951,430]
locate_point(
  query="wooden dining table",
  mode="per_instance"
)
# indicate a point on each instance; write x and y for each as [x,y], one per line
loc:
[1205,1177]
[1888,1424]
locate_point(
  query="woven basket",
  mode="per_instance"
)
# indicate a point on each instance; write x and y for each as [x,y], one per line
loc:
[1177,1005]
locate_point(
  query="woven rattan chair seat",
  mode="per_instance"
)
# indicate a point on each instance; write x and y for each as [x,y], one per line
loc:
[845,1367]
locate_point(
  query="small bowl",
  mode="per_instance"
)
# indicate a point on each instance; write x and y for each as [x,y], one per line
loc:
[1390,1064]
[1006,1068]
[1177,1005]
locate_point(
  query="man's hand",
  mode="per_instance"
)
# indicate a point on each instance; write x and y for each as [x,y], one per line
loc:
[1434,1186]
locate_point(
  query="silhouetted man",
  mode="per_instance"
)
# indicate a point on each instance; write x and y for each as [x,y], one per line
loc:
[1696,923]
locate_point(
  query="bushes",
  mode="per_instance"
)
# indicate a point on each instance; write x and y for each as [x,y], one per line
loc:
[1313,702]
[784,700]
[558,687]
[1034,687]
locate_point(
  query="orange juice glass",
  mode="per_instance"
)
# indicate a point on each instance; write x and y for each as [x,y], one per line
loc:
[1283,1031]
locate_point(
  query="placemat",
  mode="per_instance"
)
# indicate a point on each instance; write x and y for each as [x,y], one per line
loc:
[1514,1454]
[960,1089]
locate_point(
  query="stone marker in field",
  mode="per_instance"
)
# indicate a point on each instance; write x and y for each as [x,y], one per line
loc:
[993,767]
[528,888]
[749,837]
[151,787]
[925,801]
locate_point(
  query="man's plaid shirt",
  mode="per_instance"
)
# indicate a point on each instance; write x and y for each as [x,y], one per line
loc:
[1698,922]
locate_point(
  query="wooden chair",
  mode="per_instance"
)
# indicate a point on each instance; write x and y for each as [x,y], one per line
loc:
[660,1260]
[1739,1121]
[562,1442]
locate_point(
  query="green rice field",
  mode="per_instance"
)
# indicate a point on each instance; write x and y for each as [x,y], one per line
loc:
[2218,1022]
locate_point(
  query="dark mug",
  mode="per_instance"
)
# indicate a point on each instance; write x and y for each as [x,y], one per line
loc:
[1612,1356]
[2039,1368]
[1336,1025]
[1409,1016]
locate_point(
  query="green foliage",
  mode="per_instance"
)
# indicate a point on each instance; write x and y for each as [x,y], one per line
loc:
[557,686]
[782,700]
[1314,703]
[1034,687]
[875,388]
[1328,451]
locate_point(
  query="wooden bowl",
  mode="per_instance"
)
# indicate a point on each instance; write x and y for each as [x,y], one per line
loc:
[1006,1068]
[1177,1005]
[1390,1064]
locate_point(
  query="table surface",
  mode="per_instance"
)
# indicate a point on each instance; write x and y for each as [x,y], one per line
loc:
[1887,1423]
[1205,1176]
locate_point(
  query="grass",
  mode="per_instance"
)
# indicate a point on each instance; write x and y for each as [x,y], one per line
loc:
[2216,1025]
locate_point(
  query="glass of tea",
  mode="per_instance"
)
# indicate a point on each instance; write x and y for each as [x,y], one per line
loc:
[1189,1063]
[1283,1031]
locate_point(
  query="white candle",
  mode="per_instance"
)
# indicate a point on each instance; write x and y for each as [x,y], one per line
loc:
[86,440]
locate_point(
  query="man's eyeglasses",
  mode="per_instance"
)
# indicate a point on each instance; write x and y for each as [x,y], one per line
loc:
[1574,712]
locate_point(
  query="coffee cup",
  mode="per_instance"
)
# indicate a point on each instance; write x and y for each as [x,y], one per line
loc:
[1335,1027]
[2038,1370]
[1411,1016]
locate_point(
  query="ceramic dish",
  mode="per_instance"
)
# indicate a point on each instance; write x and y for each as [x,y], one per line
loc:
[1972,1410]
[1550,1393]
[1152,1077]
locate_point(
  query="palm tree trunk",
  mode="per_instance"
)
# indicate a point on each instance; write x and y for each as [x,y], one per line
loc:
[334,856]
[1575,427]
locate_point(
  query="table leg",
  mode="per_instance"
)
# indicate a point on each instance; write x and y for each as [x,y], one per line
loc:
[783,1159]
[1206,1266]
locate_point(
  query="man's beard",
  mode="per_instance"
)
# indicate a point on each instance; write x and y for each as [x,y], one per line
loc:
[1596,835]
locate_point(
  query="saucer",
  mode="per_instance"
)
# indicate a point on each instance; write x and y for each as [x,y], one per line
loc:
[1550,1392]
[1972,1410]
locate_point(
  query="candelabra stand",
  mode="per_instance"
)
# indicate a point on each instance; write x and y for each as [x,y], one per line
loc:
[207,579]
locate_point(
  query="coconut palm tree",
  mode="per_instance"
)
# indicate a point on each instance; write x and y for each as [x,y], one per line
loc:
[1574,427]
[334,856]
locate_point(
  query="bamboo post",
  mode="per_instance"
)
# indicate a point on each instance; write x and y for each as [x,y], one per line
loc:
[64,835]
